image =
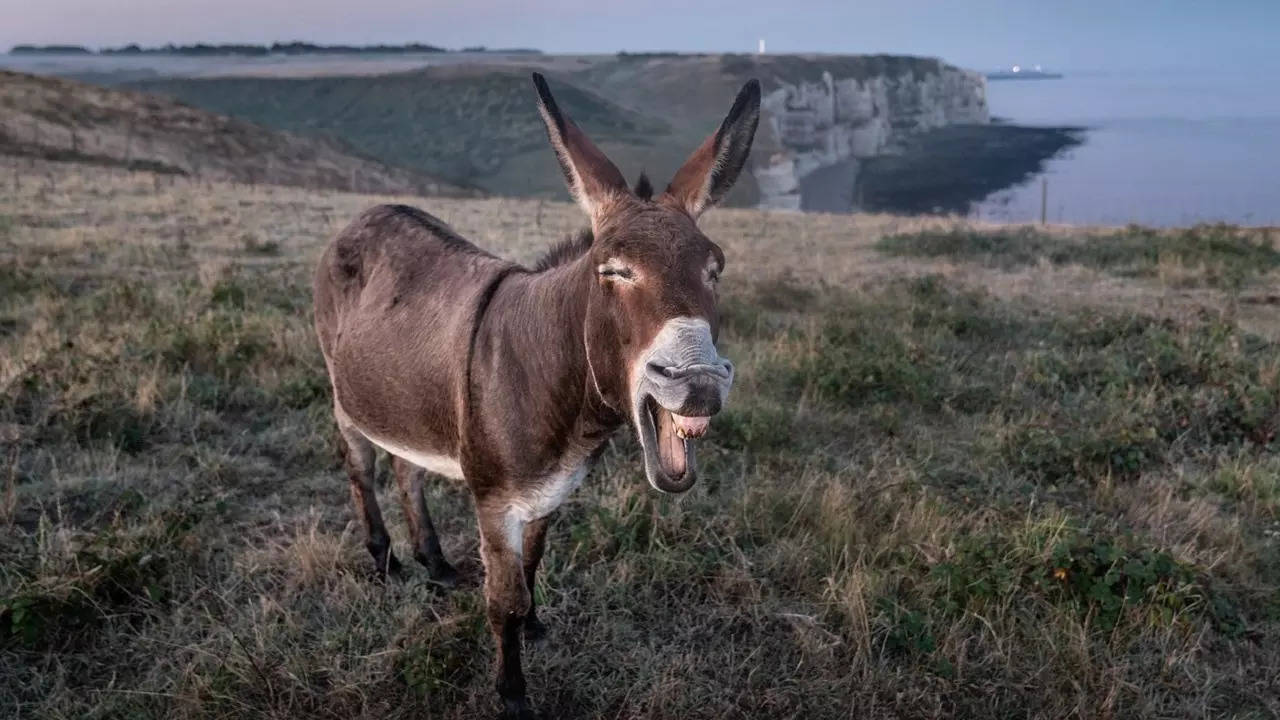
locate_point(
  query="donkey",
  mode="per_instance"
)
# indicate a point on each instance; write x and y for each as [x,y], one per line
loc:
[512,379]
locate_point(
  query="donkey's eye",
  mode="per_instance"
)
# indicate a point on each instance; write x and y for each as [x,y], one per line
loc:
[616,272]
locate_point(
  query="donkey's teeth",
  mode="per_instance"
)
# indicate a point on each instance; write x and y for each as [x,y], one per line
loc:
[690,426]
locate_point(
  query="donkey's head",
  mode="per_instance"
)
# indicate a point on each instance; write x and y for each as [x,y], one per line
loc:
[651,321]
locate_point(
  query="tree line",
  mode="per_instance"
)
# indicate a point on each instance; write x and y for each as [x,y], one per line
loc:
[250,50]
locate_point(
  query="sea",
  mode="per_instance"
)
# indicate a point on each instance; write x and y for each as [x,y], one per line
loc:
[1161,148]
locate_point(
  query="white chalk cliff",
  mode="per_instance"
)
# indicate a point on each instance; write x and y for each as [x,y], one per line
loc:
[835,122]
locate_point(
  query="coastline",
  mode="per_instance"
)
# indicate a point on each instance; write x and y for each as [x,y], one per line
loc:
[948,170]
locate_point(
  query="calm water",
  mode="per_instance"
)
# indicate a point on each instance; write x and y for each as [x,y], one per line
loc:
[1162,148]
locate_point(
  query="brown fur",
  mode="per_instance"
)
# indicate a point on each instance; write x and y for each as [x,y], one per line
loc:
[445,354]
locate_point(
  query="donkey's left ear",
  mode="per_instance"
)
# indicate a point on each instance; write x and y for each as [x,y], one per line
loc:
[593,180]
[712,169]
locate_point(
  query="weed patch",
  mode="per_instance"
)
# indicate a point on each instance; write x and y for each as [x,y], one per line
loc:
[253,245]
[1100,577]
[446,656]
[1047,397]
[1211,255]
[116,575]
[16,280]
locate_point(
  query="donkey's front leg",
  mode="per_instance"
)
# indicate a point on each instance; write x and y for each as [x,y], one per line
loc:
[507,601]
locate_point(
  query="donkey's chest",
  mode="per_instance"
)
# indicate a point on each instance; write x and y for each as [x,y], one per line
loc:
[539,498]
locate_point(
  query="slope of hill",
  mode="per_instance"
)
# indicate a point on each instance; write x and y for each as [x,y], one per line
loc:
[464,123]
[59,119]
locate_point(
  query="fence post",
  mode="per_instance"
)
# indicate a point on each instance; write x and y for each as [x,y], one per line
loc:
[128,145]
[1044,200]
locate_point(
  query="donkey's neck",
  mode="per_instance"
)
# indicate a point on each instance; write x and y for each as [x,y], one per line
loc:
[532,348]
[548,310]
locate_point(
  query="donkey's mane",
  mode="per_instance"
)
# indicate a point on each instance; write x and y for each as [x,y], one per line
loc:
[567,250]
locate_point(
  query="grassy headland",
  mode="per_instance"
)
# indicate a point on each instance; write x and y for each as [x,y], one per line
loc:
[954,479]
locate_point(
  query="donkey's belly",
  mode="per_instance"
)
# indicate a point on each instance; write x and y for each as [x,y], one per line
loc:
[397,382]
[427,459]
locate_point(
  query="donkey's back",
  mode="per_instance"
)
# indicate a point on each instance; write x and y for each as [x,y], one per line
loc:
[396,294]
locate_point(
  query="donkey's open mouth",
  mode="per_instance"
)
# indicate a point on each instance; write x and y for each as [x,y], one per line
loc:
[670,460]
[668,437]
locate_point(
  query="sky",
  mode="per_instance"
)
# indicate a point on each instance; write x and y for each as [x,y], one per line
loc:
[982,34]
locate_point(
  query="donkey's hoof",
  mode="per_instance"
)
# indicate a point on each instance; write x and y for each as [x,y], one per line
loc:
[534,630]
[390,567]
[439,571]
[517,710]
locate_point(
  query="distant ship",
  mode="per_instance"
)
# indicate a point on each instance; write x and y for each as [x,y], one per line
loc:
[1017,72]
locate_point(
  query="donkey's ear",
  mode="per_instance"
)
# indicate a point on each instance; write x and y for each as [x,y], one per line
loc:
[713,168]
[592,178]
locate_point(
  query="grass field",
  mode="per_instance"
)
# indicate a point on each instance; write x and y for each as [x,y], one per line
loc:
[965,471]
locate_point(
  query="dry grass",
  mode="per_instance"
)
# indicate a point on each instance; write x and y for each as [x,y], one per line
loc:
[943,487]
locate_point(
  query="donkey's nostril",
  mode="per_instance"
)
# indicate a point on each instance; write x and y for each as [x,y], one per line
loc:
[660,370]
[721,369]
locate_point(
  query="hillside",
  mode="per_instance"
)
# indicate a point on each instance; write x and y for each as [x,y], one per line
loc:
[474,123]
[966,471]
[58,119]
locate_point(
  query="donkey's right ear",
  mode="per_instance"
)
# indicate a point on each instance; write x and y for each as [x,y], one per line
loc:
[592,178]
[712,169]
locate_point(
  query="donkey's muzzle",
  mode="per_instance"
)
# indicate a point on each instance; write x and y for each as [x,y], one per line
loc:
[693,390]
[684,372]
